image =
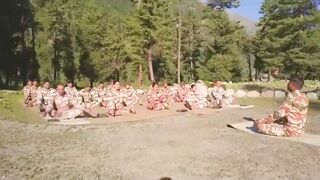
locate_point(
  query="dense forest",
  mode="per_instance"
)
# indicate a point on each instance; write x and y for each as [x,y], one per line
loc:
[154,40]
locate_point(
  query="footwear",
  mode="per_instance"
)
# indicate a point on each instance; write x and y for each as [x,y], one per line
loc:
[187,105]
[133,111]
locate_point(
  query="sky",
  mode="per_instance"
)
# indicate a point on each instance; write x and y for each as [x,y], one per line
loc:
[249,9]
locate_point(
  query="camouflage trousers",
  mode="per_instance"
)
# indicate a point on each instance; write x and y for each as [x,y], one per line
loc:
[67,114]
[273,129]
[269,126]
[156,105]
[46,109]
[194,104]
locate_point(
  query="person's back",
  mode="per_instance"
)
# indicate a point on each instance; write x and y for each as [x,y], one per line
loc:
[292,113]
[297,113]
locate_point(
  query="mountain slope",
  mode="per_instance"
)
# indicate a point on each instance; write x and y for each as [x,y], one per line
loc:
[249,24]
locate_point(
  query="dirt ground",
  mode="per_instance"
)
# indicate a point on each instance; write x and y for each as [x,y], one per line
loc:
[183,146]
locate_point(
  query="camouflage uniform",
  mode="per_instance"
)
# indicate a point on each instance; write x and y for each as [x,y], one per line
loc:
[85,98]
[45,100]
[64,107]
[170,93]
[157,101]
[98,96]
[30,95]
[72,93]
[293,114]
[202,88]
[195,100]
[181,94]
[115,102]
[130,97]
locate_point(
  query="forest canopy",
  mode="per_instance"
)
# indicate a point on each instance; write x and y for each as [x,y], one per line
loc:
[147,40]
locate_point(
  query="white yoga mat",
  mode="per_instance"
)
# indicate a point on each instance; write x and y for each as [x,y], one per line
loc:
[307,138]
[78,121]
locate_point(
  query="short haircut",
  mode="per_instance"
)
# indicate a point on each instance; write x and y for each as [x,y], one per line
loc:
[193,85]
[297,81]
[60,85]
[154,83]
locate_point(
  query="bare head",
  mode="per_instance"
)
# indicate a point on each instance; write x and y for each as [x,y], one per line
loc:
[101,85]
[60,89]
[117,85]
[218,83]
[295,83]
[70,85]
[46,85]
[155,86]
[193,87]
[29,83]
[128,86]
[35,83]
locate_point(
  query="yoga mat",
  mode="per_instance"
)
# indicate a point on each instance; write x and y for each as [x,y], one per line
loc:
[78,121]
[311,139]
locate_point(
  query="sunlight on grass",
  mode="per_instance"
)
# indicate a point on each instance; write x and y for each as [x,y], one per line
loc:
[12,108]
[309,85]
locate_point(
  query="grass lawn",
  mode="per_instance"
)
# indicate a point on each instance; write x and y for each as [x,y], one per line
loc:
[12,108]
[309,85]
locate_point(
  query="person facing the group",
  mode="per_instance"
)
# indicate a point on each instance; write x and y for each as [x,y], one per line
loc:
[290,118]
[65,108]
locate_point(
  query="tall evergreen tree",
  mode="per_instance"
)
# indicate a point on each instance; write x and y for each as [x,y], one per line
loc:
[286,40]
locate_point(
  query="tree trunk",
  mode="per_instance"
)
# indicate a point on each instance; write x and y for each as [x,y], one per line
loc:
[139,3]
[140,75]
[151,75]
[54,63]
[250,65]
[179,46]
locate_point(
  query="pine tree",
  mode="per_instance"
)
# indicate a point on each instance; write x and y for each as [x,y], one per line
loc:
[287,35]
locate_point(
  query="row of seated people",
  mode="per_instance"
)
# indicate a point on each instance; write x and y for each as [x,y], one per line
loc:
[116,99]
[194,96]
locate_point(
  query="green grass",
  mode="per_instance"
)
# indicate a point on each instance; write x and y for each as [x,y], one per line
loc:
[12,108]
[309,85]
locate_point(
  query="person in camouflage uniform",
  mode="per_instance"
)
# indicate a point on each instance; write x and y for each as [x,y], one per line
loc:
[289,120]
[219,96]
[169,92]
[99,95]
[194,99]
[116,101]
[64,107]
[71,91]
[45,99]
[29,94]
[85,98]
[156,99]
[182,92]
[130,96]
[111,85]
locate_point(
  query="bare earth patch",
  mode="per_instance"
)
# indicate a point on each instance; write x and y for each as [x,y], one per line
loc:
[185,146]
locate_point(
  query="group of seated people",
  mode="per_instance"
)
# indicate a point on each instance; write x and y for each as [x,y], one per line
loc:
[66,102]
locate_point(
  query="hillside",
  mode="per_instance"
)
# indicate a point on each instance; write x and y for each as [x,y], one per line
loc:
[249,24]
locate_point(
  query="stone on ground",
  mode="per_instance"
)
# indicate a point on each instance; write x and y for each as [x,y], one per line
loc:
[253,94]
